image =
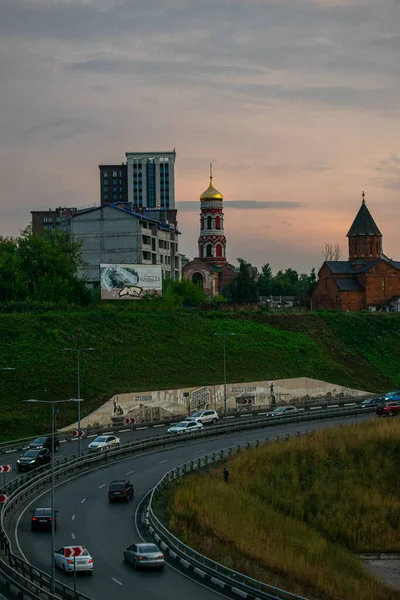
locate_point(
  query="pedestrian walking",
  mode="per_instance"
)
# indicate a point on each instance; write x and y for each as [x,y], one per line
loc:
[226,474]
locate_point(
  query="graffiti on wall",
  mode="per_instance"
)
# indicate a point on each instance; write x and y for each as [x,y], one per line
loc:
[200,399]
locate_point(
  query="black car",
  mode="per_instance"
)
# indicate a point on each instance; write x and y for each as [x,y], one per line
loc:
[42,519]
[32,459]
[45,441]
[371,402]
[120,489]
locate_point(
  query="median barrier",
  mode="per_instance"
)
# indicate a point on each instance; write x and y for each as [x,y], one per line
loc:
[30,581]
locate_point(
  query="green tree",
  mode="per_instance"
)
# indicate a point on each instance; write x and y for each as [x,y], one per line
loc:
[243,287]
[182,293]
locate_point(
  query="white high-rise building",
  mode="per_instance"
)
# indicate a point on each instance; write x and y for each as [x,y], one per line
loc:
[151,179]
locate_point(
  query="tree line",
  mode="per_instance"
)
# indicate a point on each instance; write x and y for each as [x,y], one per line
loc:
[43,268]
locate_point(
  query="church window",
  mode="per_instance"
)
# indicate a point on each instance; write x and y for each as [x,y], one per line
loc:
[201,251]
[362,248]
[377,247]
[209,222]
[217,222]
[370,248]
[202,223]
[209,250]
[218,249]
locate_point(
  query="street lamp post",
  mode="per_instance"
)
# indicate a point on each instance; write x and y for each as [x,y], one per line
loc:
[53,504]
[78,354]
[224,336]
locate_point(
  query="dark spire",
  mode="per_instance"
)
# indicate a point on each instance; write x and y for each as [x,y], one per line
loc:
[364,224]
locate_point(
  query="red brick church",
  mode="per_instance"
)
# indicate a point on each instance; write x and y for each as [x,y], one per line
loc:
[369,280]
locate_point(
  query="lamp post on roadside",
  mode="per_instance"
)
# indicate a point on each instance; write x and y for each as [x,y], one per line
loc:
[224,336]
[78,353]
[53,433]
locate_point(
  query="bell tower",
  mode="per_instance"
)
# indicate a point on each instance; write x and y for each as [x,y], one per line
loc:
[365,239]
[212,241]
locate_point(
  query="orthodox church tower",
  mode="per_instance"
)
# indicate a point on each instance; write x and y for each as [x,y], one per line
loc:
[212,241]
[365,239]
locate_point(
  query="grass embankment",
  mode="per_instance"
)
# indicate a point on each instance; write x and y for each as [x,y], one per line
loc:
[139,349]
[294,514]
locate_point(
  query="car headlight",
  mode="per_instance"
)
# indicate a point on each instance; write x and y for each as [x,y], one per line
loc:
[31,462]
[18,461]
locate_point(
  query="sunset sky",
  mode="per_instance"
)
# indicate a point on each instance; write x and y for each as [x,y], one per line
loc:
[295,102]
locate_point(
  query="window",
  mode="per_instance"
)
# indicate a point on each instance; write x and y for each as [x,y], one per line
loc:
[106,188]
[115,189]
[218,250]
[209,250]
[120,173]
[115,196]
[105,174]
[201,250]
[202,223]
[105,196]
[217,222]
[209,222]
[115,182]
[370,248]
[114,173]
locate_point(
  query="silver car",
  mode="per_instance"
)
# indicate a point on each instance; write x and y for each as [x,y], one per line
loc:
[186,427]
[282,410]
[204,416]
[104,442]
[144,555]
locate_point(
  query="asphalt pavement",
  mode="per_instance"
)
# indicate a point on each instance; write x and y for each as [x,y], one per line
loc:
[86,518]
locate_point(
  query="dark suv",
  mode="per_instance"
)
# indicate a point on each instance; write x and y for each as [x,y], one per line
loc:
[32,459]
[389,409]
[120,489]
[45,441]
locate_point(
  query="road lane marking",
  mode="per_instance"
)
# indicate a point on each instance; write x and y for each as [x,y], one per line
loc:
[116,581]
[161,425]
[73,536]
[137,428]
[123,430]
[73,517]
[91,436]
[129,472]
[102,485]
[83,500]
[107,433]
[162,461]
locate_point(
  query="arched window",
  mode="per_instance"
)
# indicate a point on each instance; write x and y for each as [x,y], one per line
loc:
[377,247]
[209,222]
[209,250]
[355,249]
[370,248]
[202,223]
[201,250]
[217,222]
[218,250]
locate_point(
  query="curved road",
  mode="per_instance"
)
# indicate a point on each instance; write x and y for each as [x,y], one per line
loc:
[86,518]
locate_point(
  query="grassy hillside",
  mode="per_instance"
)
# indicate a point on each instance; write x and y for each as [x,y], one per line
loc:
[295,514]
[139,350]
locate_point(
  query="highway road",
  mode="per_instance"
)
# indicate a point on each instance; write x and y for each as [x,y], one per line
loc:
[86,518]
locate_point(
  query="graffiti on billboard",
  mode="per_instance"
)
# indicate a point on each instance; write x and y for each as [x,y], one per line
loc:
[124,282]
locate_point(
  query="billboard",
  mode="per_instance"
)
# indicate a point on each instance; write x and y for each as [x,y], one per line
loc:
[127,282]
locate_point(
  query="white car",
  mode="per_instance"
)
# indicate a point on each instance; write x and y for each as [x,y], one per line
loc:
[204,416]
[282,410]
[104,442]
[66,563]
[185,427]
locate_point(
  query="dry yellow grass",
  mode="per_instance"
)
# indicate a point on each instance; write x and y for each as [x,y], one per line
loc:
[294,514]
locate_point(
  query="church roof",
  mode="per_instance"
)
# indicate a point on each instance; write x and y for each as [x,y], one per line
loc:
[354,267]
[363,224]
[347,284]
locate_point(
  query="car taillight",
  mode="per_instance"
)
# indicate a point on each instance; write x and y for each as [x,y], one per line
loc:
[70,562]
[50,518]
[34,519]
[161,556]
[140,557]
[90,560]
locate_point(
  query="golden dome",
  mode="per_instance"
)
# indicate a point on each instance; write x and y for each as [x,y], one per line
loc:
[211,192]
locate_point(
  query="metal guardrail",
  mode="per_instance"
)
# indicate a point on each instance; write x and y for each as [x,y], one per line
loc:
[115,427]
[30,581]
[216,573]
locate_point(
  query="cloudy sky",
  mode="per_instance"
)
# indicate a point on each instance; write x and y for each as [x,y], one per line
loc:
[296,103]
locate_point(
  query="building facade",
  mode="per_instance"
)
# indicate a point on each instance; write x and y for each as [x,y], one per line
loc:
[46,220]
[113,183]
[369,280]
[146,179]
[210,269]
[116,234]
